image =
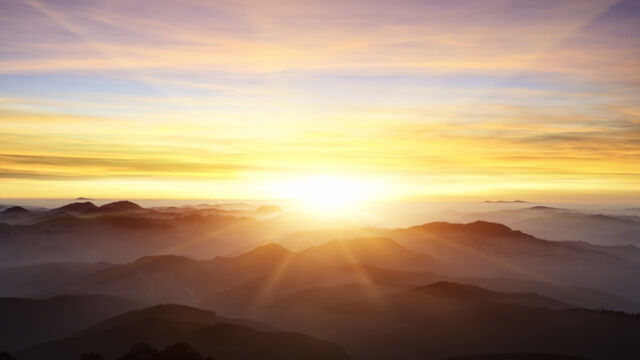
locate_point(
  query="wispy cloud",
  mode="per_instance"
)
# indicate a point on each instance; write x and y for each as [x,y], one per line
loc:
[447,97]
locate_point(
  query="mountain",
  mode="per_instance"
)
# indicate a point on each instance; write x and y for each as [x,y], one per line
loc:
[30,321]
[178,279]
[526,356]
[115,207]
[566,224]
[76,208]
[627,252]
[444,319]
[337,262]
[235,284]
[15,210]
[40,280]
[317,298]
[16,214]
[484,249]
[167,278]
[152,279]
[375,251]
[125,236]
[163,325]
[445,289]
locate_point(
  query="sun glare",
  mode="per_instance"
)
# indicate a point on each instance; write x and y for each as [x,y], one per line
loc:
[327,192]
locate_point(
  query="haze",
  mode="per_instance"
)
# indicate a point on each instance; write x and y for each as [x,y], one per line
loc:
[319,180]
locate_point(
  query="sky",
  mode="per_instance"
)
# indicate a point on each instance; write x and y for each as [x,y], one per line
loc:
[409,99]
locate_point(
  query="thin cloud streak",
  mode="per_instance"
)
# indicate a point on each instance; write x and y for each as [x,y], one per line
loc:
[489,96]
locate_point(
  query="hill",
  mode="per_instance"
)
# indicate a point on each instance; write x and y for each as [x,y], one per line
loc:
[444,319]
[76,208]
[607,227]
[115,207]
[39,280]
[526,356]
[30,321]
[124,236]
[490,250]
[164,325]
[15,210]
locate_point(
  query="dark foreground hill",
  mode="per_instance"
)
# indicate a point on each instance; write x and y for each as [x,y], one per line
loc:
[446,319]
[29,321]
[163,325]
[527,356]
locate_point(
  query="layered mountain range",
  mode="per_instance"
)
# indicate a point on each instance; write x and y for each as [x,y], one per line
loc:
[243,285]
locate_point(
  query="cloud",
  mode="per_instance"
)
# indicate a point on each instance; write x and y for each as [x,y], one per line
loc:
[475,94]
[256,36]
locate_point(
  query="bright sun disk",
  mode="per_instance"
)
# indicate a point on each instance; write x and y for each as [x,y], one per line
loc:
[327,193]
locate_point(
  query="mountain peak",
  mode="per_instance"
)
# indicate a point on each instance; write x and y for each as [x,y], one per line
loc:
[77,207]
[165,312]
[466,293]
[116,207]
[14,210]
[479,227]
[121,205]
[447,288]
[164,259]
[488,228]
[542,208]
[270,251]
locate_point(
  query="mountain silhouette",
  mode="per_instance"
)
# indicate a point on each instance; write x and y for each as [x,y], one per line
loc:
[164,325]
[76,208]
[115,207]
[485,249]
[29,321]
[450,290]
[15,210]
[376,251]
[39,280]
[233,283]
[560,224]
[444,319]
[90,237]
[526,356]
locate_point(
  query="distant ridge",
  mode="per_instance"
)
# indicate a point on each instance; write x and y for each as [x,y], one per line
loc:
[505,201]
[477,227]
[463,292]
[163,325]
[76,208]
[15,210]
[519,356]
[27,321]
[116,207]
[268,210]
[542,208]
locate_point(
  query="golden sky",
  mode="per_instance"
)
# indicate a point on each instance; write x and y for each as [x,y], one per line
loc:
[231,99]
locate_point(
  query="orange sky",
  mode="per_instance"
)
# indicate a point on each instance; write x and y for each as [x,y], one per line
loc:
[237,99]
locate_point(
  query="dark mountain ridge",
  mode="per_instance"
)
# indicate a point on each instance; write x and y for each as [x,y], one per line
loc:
[29,321]
[15,210]
[164,325]
[76,208]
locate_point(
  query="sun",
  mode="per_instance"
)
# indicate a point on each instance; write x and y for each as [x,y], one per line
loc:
[323,192]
